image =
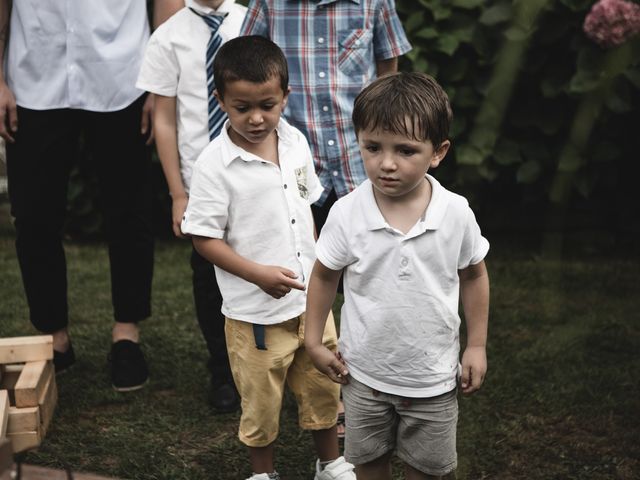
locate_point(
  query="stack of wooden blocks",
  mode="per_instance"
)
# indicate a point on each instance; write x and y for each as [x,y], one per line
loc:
[28,391]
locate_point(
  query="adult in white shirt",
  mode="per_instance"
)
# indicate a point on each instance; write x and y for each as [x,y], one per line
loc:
[70,72]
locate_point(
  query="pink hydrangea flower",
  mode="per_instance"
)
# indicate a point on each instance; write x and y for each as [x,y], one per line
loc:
[612,22]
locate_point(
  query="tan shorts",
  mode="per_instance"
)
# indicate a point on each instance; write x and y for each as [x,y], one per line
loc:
[260,376]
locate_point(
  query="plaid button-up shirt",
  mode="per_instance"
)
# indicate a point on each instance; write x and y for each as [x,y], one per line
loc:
[332,47]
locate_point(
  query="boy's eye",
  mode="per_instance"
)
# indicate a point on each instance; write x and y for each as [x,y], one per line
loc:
[372,148]
[407,152]
[242,109]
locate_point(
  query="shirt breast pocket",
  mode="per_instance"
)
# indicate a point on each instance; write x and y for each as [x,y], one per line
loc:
[355,55]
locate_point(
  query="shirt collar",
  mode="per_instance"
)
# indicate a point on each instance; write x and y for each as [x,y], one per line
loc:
[234,152]
[225,7]
[432,217]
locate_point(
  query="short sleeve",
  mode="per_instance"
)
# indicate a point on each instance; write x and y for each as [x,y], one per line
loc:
[208,208]
[159,72]
[332,248]
[255,21]
[313,182]
[389,38]
[474,246]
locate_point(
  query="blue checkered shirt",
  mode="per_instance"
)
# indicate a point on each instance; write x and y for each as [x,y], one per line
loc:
[332,47]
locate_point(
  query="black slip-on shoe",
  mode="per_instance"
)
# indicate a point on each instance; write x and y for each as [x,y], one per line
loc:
[129,369]
[224,397]
[63,360]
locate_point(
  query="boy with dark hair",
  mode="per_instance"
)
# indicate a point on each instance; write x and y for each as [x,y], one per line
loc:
[177,67]
[409,250]
[249,213]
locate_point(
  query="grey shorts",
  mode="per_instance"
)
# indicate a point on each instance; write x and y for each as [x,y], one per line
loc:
[422,431]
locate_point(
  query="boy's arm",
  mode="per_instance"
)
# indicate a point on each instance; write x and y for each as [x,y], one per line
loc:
[273,280]
[320,295]
[163,9]
[8,109]
[164,119]
[474,292]
[389,65]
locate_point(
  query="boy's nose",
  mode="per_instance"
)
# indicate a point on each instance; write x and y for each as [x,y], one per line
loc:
[388,163]
[256,118]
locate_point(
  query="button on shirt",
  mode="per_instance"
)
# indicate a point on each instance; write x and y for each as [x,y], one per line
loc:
[331,47]
[262,212]
[400,322]
[76,54]
[174,66]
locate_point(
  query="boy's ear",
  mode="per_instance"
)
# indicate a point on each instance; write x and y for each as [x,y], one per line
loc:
[286,97]
[440,153]
[220,100]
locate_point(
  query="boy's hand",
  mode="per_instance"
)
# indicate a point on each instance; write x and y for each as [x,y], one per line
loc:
[474,368]
[8,113]
[178,207]
[277,281]
[329,363]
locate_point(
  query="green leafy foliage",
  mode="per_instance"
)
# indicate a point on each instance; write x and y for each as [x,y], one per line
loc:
[517,73]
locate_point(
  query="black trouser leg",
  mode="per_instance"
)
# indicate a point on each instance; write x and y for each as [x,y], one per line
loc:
[38,167]
[123,164]
[208,302]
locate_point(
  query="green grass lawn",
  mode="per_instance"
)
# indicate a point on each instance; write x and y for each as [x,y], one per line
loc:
[561,400]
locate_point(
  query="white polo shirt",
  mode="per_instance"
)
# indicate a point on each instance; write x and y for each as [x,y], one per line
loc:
[174,66]
[399,323]
[262,212]
[76,54]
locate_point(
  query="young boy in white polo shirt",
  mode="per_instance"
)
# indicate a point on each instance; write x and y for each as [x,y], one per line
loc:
[249,214]
[177,68]
[409,249]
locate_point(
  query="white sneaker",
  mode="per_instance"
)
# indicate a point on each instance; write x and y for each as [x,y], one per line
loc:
[339,469]
[259,476]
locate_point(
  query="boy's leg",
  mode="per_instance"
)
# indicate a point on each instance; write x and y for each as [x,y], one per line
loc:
[208,303]
[426,438]
[260,376]
[413,474]
[378,469]
[38,166]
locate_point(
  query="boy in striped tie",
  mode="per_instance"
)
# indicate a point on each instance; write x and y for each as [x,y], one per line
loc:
[178,69]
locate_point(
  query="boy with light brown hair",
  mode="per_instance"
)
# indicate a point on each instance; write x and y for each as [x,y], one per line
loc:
[409,250]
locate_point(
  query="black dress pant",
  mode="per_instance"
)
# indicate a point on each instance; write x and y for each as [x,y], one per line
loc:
[208,302]
[38,167]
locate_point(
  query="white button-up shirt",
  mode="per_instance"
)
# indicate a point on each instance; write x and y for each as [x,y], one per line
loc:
[174,66]
[399,322]
[82,54]
[262,212]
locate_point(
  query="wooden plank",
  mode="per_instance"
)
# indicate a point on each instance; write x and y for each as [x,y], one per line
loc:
[47,403]
[23,419]
[6,455]
[32,472]
[31,383]
[4,412]
[26,349]
[24,440]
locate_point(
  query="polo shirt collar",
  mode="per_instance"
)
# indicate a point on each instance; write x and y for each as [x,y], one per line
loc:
[234,152]
[432,218]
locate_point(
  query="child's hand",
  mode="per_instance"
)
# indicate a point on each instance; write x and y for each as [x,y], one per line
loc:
[178,207]
[329,363]
[277,281]
[474,368]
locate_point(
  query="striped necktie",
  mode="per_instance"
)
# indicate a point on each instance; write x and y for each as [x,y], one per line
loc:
[216,115]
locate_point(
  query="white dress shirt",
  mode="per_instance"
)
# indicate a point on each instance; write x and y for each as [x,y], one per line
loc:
[82,54]
[263,212]
[399,323]
[174,66]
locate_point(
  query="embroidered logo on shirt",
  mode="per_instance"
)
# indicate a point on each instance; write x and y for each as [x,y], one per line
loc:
[301,180]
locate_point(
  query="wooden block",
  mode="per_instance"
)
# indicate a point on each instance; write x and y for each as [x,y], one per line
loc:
[26,349]
[24,440]
[47,404]
[23,419]
[4,412]
[31,383]
[6,455]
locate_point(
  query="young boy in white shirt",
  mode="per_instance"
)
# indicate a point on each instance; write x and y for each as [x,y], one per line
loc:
[176,68]
[249,214]
[409,249]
